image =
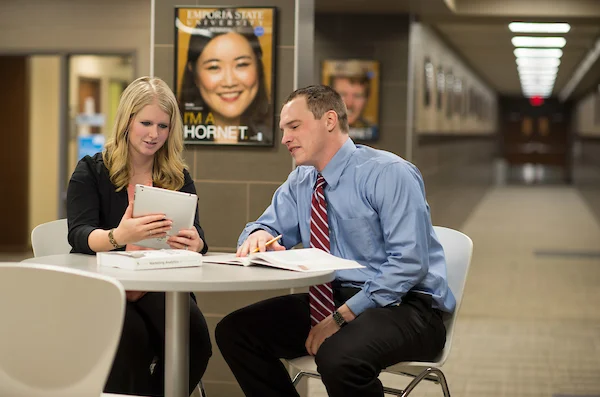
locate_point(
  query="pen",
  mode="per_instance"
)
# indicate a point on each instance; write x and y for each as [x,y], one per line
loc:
[267,243]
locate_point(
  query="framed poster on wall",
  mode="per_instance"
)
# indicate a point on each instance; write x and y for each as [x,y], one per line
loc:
[224,74]
[357,81]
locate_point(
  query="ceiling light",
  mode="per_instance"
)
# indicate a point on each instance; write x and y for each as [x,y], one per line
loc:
[536,83]
[535,70]
[537,76]
[528,27]
[538,95]
[549,42]
[539,62]
[538,52]
[538,88]
[525,80]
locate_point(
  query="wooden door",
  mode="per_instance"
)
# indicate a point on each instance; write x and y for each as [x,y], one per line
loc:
[14,154]
[536,134]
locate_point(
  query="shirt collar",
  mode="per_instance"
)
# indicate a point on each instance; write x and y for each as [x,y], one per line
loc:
[333,170]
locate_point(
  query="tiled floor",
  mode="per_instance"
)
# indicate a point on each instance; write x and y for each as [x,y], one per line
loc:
[530,324]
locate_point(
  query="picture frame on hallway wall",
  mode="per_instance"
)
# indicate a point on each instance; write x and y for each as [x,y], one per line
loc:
[358,82]
[224,74]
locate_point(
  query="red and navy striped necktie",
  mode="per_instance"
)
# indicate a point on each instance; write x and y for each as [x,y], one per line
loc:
[320,296]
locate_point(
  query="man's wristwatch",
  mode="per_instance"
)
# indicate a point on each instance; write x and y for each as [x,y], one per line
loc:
[112,240]
[339,319]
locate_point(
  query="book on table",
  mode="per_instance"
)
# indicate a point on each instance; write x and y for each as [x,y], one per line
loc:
[300,260]
[149,259]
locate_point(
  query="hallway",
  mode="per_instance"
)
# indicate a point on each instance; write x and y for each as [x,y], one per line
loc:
[529,324]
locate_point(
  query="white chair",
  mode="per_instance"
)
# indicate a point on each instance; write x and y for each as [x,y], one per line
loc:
[50,238]
[458,249]
[60,330]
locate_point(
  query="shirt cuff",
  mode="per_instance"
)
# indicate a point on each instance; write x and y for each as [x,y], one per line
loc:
[360,302]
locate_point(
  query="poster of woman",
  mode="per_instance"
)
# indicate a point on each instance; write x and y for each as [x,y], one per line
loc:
[357,81]
[224,66]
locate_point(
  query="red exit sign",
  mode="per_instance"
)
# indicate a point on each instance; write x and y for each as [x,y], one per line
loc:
[536,101]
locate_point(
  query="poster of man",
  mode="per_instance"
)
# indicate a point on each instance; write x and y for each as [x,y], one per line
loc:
[224,67]
[357,81]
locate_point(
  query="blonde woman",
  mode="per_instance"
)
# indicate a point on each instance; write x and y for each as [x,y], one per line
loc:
[145,148]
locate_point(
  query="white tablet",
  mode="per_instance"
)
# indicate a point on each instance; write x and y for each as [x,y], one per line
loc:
[179,207]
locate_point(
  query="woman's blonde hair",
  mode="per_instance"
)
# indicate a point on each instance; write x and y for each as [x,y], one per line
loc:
[167,171]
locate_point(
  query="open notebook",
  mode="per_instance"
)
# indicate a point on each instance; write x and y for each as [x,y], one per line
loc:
[300,260]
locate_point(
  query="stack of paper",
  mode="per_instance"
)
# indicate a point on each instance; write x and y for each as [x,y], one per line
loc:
[149,259]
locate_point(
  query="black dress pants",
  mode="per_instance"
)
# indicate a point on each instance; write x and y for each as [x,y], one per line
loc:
[143,340]
[253,339]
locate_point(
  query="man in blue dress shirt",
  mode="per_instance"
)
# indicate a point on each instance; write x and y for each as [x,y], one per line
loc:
[390,311]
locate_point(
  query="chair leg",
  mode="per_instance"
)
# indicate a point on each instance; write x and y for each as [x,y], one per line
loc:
[423,375]
[201,389]
[302,374]
[388,390]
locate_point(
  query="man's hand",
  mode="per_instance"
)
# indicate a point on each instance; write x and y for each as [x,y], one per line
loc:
[319,333]
[258,240]
[325,329]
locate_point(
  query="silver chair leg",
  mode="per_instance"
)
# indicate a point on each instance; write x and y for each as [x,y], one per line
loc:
[423,375]
[302,374]
[201,389]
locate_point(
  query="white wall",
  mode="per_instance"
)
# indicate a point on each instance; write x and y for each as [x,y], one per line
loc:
[428,119]
[77,26]
[587,121]
[43,139]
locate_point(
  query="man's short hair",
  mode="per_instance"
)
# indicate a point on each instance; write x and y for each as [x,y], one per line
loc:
[321,99]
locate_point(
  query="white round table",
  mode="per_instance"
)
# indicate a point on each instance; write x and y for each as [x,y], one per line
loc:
[177,284]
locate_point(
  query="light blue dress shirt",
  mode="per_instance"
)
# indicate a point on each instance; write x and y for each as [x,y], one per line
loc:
[378,216]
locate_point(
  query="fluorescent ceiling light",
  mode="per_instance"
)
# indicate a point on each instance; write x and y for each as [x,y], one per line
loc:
[538,52]
[529,27]
[529,41]
[536,80]
[534,90]
[537,71]
[540,94]
[527,95]
[537,76]
[538,62]
[540,88]
[537,83]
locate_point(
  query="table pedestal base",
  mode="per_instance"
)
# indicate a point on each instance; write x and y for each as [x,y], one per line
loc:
[177,341]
